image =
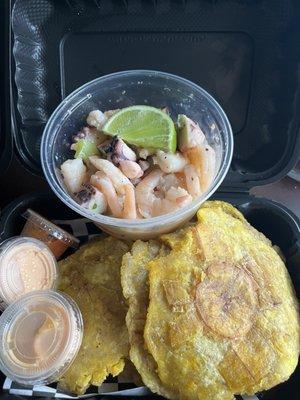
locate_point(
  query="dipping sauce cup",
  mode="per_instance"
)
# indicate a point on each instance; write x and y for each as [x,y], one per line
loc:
[57,239]
[40,335]
[26,265]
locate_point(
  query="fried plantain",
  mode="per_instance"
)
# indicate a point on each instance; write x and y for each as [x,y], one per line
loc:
[223,315]
[91,276]
[134,278]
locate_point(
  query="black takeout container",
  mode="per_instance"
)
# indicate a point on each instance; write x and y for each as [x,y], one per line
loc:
[274,220]
[245,53]
[5,126]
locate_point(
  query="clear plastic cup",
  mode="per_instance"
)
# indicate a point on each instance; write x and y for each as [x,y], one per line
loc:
[123,89]
[26,264]
[40,335]
[57,239]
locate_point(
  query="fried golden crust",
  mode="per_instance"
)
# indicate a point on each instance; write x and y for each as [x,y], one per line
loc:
[91,276]
[134,278]
[223,316]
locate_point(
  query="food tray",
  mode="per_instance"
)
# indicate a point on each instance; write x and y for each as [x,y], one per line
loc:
[274,220]
[237,50]
[239,54]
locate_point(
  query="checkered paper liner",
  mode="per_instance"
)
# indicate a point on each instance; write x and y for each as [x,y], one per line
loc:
[85,230]
[108,388]
[111,387]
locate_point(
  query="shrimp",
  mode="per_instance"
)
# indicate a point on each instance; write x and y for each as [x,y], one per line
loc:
[129,207]
[180,176]
[131,169]
[175,198]
[192,180]
[165,184]
[118,179]
[178,196]
[169,162]
[149,205]
[203,158]
[144,191]
[104,184]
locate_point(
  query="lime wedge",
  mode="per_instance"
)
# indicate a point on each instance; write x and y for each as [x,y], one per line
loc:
[143,126]
[85,149]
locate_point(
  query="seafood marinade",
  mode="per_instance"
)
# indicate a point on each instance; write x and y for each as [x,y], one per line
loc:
[137,163]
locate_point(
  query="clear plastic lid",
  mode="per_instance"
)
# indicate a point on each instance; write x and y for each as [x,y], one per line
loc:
[26,265]
[40,335]
[51,228]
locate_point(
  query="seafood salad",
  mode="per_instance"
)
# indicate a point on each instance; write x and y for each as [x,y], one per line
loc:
[137,163]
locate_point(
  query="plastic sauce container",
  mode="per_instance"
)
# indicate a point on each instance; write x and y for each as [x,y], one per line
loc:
[53,236]
[26,265]
[40,335]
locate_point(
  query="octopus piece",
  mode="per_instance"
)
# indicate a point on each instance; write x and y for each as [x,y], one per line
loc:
[91,198]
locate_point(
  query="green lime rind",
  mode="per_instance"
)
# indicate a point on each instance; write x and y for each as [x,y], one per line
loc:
[143,126]
[85,149]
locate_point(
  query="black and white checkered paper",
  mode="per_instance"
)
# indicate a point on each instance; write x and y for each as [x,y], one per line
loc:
[108,388]
[111,387]
[85,230]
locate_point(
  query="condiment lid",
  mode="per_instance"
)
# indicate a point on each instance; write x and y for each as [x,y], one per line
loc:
[40,335]
[51,228]
[26,264]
